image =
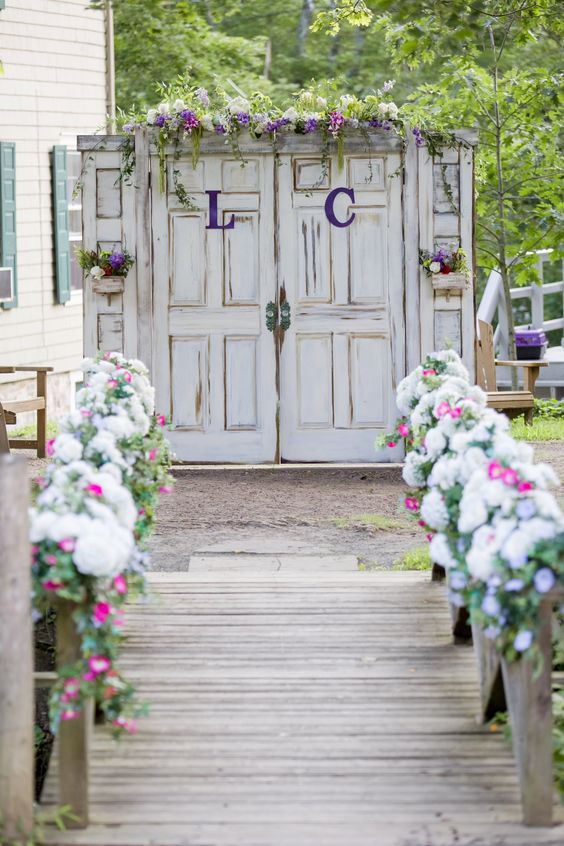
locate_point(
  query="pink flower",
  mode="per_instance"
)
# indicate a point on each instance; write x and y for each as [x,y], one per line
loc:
[99,664]
[429,372]
[69,715]
[49,584]
[421,523]
[50,447]
[51,559]
[101,612]
[129,725]
[161,419]
[455,412]
[429,536]
[391,444]
[165,489]
[112,383]
[411,503]
[525,486]
[495,470]
[403,429]
[153,454]
[120,584]
[444,408]
[95,490]
[89,676]
[127,376]
[118,619]
[86,412]
[67,544]
[40,481]
[72,686]
[141,511]
[510,476]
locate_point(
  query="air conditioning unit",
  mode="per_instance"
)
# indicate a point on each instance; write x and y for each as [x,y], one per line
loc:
[6,284]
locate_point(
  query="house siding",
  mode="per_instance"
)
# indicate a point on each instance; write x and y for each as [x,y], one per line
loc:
[53,89]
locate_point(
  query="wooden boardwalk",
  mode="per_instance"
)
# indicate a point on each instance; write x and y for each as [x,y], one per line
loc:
[302,709]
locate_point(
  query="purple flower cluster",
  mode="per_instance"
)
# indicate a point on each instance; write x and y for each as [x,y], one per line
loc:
[203,97]
[275,125]
[242,118]
[116,260]
[190,120]
[380,124]
[310,125]
[336,122]
[419,140]
[160,120]
[220,129]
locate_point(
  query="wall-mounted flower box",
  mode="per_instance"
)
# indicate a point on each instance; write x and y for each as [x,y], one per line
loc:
[449,281]
[108,285]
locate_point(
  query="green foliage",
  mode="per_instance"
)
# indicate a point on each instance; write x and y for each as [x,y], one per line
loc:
[549,409]
[417,558]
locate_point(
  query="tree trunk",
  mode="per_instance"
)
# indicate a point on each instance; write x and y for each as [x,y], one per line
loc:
[306,17]
[502,237]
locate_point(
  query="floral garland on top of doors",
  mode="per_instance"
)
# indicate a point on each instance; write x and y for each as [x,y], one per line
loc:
[187,112]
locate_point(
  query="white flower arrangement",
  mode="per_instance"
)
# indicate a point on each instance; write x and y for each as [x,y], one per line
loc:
[93,509]
[494,524]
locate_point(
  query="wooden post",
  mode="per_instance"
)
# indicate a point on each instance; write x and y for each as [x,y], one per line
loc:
[492,692]
[74,735]
[16,658]
[530,710]
[42,415]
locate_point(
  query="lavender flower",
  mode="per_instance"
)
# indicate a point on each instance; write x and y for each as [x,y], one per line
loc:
[419,140]
[514,585]
[388,85]
[160,120]
[116,260]
[491,606]
[275,125]
[220,129]
[203,97]
[242,118]
[525,509]
[544,580]
[310,125]
[129,127]
[457,580]
[522,641]
[491,632]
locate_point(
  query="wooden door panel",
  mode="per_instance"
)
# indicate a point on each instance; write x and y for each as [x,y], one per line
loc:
[215,359]
[343,354]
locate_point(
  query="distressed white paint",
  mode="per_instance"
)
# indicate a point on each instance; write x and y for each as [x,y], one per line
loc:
[359,302]
[339,360]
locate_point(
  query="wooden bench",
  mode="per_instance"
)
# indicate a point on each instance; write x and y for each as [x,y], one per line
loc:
[11,408]
[511,403]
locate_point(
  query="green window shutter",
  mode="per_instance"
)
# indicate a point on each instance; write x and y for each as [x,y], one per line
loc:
[61,223]
[8,245]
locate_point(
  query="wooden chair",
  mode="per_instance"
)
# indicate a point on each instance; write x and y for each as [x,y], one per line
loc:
[511,403]
[10,408]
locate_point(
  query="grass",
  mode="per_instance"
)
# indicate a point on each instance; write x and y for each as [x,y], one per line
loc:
[376,522]
[542,429]
[417,558]
[31,431]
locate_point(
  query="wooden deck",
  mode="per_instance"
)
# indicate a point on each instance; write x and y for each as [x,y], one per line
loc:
[294,709]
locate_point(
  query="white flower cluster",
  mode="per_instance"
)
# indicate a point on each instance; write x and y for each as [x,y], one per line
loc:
[485,500]
[84,507]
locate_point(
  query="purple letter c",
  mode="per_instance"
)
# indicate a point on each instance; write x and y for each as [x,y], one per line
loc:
[330,202]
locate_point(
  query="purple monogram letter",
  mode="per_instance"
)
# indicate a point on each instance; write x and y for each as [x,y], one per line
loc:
[213,224]
[330,202]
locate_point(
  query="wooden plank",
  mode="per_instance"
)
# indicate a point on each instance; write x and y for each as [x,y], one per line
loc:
[492,692]
[19,406]
[73,734]
[530,709]
[16,667]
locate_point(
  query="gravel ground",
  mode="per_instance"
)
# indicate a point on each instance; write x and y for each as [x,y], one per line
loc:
[289,510]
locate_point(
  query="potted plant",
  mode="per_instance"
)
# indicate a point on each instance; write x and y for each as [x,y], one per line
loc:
[448,269]
[108,269]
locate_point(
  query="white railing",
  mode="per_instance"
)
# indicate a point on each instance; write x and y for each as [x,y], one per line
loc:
[493,302]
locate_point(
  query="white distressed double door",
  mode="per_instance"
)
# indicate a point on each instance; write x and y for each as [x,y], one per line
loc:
[325,391]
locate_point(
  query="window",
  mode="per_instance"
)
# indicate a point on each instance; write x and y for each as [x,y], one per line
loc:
[74,165]
[8,239]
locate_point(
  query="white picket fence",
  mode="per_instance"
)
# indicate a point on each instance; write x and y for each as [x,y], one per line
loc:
[492,307]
